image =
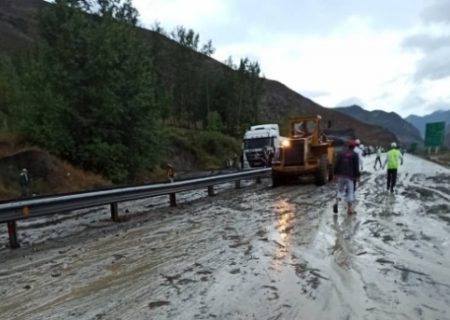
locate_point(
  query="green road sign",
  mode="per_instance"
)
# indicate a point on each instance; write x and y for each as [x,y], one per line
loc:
[434,134]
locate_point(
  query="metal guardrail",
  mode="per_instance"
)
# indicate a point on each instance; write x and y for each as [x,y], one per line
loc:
[12,211]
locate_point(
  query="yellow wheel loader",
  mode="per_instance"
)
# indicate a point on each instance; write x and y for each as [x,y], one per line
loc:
[307,151]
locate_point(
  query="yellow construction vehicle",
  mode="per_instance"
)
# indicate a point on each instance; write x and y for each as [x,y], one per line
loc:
[307,151]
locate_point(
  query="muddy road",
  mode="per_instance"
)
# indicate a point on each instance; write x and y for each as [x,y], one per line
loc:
[254,253]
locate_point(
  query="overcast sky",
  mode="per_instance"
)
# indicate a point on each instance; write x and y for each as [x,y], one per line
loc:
[392,55]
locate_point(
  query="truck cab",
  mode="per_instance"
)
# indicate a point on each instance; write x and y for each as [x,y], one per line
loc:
[256,139]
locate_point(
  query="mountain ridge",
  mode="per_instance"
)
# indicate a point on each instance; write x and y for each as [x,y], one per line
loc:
[405,131]
[420,121]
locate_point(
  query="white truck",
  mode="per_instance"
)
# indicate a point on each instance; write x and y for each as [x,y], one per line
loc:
[255,140]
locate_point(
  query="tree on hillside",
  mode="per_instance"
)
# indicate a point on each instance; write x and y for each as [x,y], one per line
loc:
[92,88]
[238,95]
[249,94]
[208,49]
[9,94]
[187,38]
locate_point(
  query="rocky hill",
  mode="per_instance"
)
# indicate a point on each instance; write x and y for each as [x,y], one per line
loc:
[405,132]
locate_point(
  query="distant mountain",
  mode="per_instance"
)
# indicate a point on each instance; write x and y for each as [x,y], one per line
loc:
[406,133]
[437,116]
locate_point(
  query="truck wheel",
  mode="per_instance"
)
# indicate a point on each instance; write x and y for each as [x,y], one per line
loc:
[322,171]
[330,172]
[276,180]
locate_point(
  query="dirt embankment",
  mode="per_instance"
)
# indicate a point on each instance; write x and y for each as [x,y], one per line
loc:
[51,175]
[48,174]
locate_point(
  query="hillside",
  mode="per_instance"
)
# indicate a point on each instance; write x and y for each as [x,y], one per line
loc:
[405,132]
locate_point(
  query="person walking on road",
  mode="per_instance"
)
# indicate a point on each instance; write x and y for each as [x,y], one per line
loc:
[378,159]
[359,152]
[346,170]
[393,159]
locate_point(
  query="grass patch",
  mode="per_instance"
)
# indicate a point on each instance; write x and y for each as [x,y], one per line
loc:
[208,150]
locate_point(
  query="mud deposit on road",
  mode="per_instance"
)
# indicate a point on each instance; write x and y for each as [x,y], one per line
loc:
[254,253]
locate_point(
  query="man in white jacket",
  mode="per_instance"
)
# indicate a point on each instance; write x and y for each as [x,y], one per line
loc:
[359,152]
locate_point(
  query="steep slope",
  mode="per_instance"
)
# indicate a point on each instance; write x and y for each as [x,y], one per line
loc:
[405,132]
[420,122]
[19,20]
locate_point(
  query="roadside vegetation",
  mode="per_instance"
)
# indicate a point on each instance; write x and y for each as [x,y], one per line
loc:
[97,96]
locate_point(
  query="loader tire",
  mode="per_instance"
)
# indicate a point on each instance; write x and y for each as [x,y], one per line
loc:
[277,180]
[322,173]
[330,172]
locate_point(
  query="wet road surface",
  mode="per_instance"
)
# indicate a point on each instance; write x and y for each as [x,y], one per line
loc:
[253,253]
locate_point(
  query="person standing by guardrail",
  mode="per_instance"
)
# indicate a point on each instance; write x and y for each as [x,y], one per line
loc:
[170,173]
[24,181]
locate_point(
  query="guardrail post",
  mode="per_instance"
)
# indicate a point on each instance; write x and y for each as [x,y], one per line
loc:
[211,191]
[114,212]
[238,184]
[258,180]
[12,231]
[173,200]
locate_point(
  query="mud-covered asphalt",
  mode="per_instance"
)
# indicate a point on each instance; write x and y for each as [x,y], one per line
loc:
[252,253]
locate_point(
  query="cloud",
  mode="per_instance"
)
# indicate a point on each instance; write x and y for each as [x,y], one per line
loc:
[314,93]
[413,101]
[438,12]
[425,42]
[434,66]
[440,105]
[190,14]
[431,97]
[433,43]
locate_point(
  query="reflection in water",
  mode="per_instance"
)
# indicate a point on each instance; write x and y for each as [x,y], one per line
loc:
[344,233]
[284,214]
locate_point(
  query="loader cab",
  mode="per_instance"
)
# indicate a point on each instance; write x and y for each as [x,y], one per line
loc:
[306,127]
[307,151]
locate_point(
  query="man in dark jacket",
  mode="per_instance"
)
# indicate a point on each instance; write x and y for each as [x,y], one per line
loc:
[346,170]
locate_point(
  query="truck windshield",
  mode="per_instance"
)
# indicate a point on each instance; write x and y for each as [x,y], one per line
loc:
[258,143]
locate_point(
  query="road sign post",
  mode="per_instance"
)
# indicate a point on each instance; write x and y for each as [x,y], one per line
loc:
[434,135]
